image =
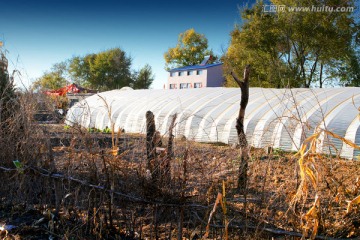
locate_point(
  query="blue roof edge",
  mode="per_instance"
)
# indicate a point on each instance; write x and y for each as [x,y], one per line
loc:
[195,67]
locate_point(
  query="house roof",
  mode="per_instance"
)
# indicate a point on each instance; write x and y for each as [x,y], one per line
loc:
[195,67]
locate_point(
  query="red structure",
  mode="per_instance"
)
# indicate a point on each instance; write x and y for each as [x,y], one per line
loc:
[72,88]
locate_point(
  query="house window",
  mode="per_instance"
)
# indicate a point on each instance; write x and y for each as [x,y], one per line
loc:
[199,72]
[172,74]
[185,85]
[181,74]
[172,86]
[190,73]
[197,85]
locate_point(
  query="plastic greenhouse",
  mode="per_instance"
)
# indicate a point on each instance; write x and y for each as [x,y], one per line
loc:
[280,118]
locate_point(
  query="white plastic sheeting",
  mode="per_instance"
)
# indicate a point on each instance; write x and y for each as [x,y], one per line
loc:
[280,118]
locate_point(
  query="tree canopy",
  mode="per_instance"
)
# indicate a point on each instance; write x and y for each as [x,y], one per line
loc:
[293,48]
[106,70]
[53,79]
[143,78]
[190,50]
[110,70]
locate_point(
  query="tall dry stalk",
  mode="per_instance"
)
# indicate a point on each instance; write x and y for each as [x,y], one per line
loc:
[108,108]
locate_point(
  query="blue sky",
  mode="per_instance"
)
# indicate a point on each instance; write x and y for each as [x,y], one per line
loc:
[38,34]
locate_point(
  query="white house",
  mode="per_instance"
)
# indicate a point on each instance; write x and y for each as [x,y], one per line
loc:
[197,76]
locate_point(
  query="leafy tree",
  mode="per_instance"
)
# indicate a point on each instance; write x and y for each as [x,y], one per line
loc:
[290,48]
[144,78]
[350,72]
[105,70]
[255,44]
[110,70]
[191,49]
[54,79]
[353,78]
[79,69]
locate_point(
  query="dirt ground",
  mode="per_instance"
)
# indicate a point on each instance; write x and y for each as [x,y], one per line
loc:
[107,196]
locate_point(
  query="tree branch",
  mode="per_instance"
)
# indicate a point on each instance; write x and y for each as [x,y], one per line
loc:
[245,79]
[236,79]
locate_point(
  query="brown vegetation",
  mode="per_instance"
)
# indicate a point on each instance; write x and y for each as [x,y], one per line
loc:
[82,189]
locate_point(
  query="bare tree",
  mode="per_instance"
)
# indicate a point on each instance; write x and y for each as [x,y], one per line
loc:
[244,149]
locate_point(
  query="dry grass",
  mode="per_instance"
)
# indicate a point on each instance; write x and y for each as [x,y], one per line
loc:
[82,190]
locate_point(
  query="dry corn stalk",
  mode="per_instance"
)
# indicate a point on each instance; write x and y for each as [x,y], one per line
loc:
[221,198]
[224,209]
[312,219]
[344,140]
[308,173]
[306,162]
[353,202]
[114,151]
[307,158]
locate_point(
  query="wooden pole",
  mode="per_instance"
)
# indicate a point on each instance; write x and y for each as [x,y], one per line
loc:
[169,150]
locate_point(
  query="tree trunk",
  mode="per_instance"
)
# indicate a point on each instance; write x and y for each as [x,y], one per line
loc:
[1,104]
[244,149]
[313,69]
[150,143]
[320,79]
